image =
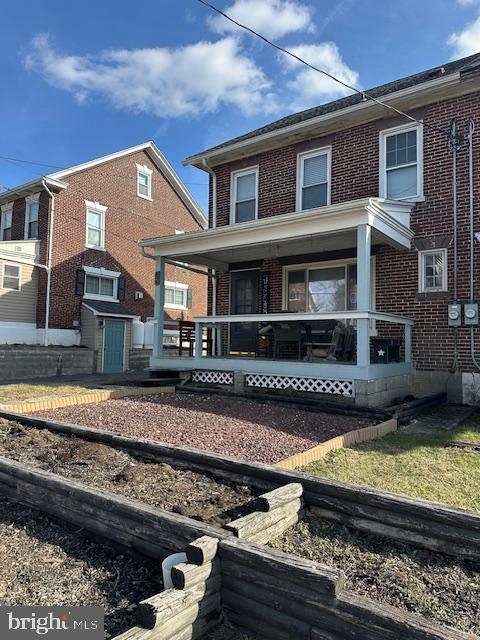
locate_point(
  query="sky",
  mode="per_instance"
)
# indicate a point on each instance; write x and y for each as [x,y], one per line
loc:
[81,80]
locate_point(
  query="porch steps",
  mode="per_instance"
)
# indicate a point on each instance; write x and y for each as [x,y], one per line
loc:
[162,377]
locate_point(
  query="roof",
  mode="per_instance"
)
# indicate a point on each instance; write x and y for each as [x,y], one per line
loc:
[104,308]
[463,65]
[56,179]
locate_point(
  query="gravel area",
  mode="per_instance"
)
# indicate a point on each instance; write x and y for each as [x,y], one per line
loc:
[263,432]
[191,494]
[423,582]
[43,563]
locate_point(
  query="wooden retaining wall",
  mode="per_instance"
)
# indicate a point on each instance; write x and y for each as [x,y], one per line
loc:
[418,522]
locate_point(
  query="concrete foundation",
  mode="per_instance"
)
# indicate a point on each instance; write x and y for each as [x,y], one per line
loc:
[17,363]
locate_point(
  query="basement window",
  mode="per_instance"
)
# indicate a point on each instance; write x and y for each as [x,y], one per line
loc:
[432,270]
[144,182]
[11,279]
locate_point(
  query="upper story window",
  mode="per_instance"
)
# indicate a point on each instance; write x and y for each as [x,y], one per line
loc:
[432,270]
[177,296]
[313,179]
[401,163]
[144,182]
[95,225]
[31,217]
[6,222]
[11,277]
[244,195]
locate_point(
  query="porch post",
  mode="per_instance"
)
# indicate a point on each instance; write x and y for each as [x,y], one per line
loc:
[364,242]
[408,343]
[159,306]
[198,340]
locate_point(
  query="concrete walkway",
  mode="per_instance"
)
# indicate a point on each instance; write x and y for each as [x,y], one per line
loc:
[446,417]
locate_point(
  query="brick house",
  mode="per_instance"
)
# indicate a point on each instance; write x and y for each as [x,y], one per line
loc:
[71,272]
[339,263]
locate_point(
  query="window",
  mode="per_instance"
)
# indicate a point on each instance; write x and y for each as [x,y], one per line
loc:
[144,182]
[433,270]
[244,195]
[322,288]
[177,295]
[401,163]
[31,217]
[11,277]
[313,180]
[95,225]
[99,286]
[6,222]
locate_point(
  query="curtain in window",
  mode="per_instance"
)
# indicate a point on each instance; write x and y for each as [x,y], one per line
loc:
[315,181]
[245,205]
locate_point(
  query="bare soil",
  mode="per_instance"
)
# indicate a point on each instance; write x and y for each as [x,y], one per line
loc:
[262,432]
[44,563]
[191,494]
[424,582]
[228,631]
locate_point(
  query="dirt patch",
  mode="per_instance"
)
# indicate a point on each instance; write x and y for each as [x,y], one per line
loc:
[191,494]
[421,581]
[228,631]
[43,563]
[263,432]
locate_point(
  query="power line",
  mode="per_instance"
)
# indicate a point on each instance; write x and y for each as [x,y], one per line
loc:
[38,164]
[366,96]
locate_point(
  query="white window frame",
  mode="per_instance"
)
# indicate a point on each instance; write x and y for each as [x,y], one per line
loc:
[177,286]
[19,267]
[301,157]
[386,133]
[142,169]
[233,191]
[98,208]
[33,199]
[101,273]
[422,288]
[6,210]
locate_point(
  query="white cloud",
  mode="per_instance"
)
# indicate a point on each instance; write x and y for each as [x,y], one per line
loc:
[467,41]
[468,3]
[311,88]
[189,80]
[271,18]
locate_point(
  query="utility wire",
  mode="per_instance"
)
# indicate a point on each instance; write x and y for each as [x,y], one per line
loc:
[366,96]
[38,164]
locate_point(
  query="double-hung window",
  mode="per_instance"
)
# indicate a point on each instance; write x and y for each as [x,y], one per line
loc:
[432,270]
[11,277]
[401,163]
[6,222]
[95,225]
[144,182]
[313,179]
[244,195]
[31,217]
[176,295]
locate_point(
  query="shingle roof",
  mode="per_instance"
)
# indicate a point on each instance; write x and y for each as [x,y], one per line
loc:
[464,64]
[102,307]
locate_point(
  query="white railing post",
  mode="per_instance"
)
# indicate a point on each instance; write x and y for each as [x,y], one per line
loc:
[159,307]
[364,241]
[408,343]
[198,340]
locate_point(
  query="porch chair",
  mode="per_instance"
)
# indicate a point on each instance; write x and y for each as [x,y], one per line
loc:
[187,339]
[326,343]
[287,335]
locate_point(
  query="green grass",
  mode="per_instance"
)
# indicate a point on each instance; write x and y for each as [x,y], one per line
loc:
[26,392]
[416,464]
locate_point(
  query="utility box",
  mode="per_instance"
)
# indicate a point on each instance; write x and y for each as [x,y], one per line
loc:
[454,315]
[470,313]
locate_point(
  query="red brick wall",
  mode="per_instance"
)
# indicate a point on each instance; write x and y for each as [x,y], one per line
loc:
[355,174]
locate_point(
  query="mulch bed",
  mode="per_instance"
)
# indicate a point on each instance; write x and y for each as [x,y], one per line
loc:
[191,494]
[43,563]
[262,432]
[423,582]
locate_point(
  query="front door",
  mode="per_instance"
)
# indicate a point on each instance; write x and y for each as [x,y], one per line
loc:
[113,345]
[244,300]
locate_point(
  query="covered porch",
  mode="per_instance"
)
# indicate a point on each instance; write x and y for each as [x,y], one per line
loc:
[292,300]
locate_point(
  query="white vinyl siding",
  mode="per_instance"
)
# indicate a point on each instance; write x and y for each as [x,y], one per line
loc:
[401,163]
[244,195]
[433,270]
[313,179]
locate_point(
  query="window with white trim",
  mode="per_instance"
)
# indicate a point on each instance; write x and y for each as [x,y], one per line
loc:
[6,222]
[244,195]
[313,179]
[176,295]
[144,182]
[31,217]
[401,163]
[95,225]
[432,270]
[11,277]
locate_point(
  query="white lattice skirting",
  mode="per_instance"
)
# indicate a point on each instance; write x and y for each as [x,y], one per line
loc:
[213,377]
[313,385]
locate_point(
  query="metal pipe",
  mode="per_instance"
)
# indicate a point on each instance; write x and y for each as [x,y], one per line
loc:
[51,216]
[471,129]
[454,141]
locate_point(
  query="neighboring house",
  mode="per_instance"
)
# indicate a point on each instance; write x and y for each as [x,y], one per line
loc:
[71,272]
[332,235]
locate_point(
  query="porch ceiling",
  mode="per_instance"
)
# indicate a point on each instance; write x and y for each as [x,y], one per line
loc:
[326,229]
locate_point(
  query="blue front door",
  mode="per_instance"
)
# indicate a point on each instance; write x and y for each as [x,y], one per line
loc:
[113,345]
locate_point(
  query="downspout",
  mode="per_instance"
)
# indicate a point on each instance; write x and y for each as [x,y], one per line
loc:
[471,129]
[51,214]
[213,175]
[454,141]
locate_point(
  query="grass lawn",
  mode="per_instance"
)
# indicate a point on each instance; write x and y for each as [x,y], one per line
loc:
[25,392]
[416,464]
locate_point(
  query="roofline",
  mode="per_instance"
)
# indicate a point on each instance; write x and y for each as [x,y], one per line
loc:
[31,187]
[424,87]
